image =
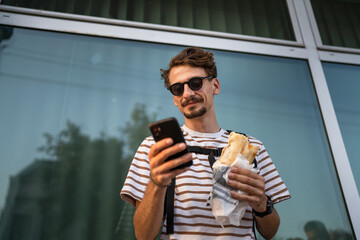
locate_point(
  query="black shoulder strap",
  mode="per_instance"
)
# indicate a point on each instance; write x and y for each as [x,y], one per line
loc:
[230,131]
[169,199]
[169,207]
[212,153]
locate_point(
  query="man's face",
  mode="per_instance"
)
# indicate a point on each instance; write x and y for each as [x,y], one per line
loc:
[193,104]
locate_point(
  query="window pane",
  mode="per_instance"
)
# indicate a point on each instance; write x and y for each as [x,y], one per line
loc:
[75,108]
[273,99]
[260,18]
[338,22]
[344,84]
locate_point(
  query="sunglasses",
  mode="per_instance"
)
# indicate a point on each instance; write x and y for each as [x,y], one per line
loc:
[195,84]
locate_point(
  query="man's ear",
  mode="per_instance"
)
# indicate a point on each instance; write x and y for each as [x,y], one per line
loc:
[216,86]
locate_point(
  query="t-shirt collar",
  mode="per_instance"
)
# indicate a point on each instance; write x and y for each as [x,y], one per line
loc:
[201,134]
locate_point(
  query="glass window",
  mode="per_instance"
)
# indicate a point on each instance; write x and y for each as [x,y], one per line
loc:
[344,84]
[73,110]
[273,99]
[248,17]
[338,22]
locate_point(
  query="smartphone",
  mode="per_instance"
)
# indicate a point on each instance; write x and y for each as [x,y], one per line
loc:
[169,128]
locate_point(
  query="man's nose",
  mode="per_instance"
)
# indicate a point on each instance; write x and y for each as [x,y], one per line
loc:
[187,91]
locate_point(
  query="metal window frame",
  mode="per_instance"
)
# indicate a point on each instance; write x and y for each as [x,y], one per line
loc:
[150,26]
[123,29]
[307,47]
[295,22]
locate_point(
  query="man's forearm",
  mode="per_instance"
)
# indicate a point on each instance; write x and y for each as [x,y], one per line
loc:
[268,225]
[149,213]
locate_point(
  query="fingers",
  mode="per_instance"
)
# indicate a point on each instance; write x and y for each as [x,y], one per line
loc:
[248,182]
[168,166]
[165,177]
[161,170]
[250,190]
[159,146]
[246,172]
[161,150]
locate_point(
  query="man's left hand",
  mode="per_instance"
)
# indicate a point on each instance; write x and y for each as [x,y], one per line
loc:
[251,183]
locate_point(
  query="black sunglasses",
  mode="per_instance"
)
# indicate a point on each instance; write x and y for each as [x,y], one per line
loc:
[195,84]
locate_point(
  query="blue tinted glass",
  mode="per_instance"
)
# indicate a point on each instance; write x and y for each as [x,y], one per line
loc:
[344,84]
[73,109]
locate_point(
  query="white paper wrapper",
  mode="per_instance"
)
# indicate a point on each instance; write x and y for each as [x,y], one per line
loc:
[226,209]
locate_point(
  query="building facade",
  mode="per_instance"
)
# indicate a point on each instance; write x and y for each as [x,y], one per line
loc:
[80,81]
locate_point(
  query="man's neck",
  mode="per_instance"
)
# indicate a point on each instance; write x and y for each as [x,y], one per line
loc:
[203,124]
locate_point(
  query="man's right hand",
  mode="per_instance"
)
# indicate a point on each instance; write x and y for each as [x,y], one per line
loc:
[161,171]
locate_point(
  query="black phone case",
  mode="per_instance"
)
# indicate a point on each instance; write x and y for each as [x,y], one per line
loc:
[169,127]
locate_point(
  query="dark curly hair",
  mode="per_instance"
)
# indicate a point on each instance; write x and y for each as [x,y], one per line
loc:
[193,56]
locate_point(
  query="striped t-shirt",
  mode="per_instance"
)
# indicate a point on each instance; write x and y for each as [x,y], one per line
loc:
[193,218]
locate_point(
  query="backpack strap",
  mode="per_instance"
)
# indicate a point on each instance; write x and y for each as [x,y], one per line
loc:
[212,153]
[169,207]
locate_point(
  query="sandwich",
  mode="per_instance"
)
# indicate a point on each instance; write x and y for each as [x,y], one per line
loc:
[238,143]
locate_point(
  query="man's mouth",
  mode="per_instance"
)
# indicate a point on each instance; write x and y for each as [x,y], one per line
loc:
[191,102]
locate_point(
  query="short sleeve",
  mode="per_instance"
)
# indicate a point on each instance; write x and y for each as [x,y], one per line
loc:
[275,188]
[138,175]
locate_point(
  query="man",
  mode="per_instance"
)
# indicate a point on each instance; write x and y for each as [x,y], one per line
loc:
[192,79]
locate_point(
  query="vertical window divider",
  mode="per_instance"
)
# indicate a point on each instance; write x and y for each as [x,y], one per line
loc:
[313,24]
[294,21]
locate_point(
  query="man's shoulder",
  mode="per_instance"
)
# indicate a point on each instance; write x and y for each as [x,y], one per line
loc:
[149,139]
[147,142]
